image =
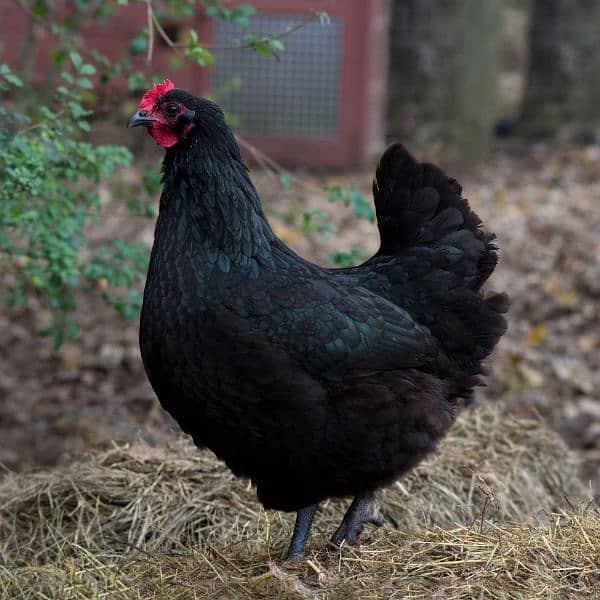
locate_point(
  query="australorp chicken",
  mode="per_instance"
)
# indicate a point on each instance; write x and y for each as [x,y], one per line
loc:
[312,382]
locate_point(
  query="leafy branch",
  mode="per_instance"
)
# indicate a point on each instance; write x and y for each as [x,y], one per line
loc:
[267,45]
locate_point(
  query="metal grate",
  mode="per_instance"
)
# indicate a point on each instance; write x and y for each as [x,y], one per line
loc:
[297,96]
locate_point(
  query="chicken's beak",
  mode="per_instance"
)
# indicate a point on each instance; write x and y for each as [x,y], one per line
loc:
[139,118]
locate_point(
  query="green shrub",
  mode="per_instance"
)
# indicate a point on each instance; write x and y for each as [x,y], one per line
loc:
[48,198]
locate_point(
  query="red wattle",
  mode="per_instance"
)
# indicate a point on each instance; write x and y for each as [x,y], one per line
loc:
[163,137]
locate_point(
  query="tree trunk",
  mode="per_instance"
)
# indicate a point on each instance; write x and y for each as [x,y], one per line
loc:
[564,67]
[444,69]
[588,103]
[473,99]
[545,95]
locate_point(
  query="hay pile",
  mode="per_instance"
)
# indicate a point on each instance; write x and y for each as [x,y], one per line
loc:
[138,522]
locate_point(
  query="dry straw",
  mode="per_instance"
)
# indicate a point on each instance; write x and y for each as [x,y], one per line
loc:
[496,513]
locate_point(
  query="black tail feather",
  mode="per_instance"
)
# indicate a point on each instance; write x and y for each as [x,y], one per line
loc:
[417,203]
[436,257]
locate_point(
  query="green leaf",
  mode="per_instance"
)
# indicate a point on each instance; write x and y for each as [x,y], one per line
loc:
[85,83]
[201,55]
[136,81]
[9,76]
[16,81]
[285,180]
[276,45]
[351,197]
[263,49]
[46,113]
[76,60]
[88,70]
[345,258]
[139,44]
[39,9]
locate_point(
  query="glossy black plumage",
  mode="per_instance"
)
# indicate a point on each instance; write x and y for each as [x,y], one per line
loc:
[312,382]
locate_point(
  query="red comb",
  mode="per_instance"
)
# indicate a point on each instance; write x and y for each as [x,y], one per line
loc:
[154,93]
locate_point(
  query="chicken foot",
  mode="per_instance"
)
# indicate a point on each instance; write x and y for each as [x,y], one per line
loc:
[304,520]
[356,517]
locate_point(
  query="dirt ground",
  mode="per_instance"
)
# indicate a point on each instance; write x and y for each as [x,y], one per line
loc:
[543,204]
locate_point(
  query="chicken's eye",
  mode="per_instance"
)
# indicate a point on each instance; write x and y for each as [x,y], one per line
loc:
[171,110]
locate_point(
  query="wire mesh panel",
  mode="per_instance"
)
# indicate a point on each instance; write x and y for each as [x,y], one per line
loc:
[295,96]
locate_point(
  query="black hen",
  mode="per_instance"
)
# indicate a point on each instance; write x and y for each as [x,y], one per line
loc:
[312,382]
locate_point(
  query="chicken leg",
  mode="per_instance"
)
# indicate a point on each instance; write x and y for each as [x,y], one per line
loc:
[304,519]
[357,515]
